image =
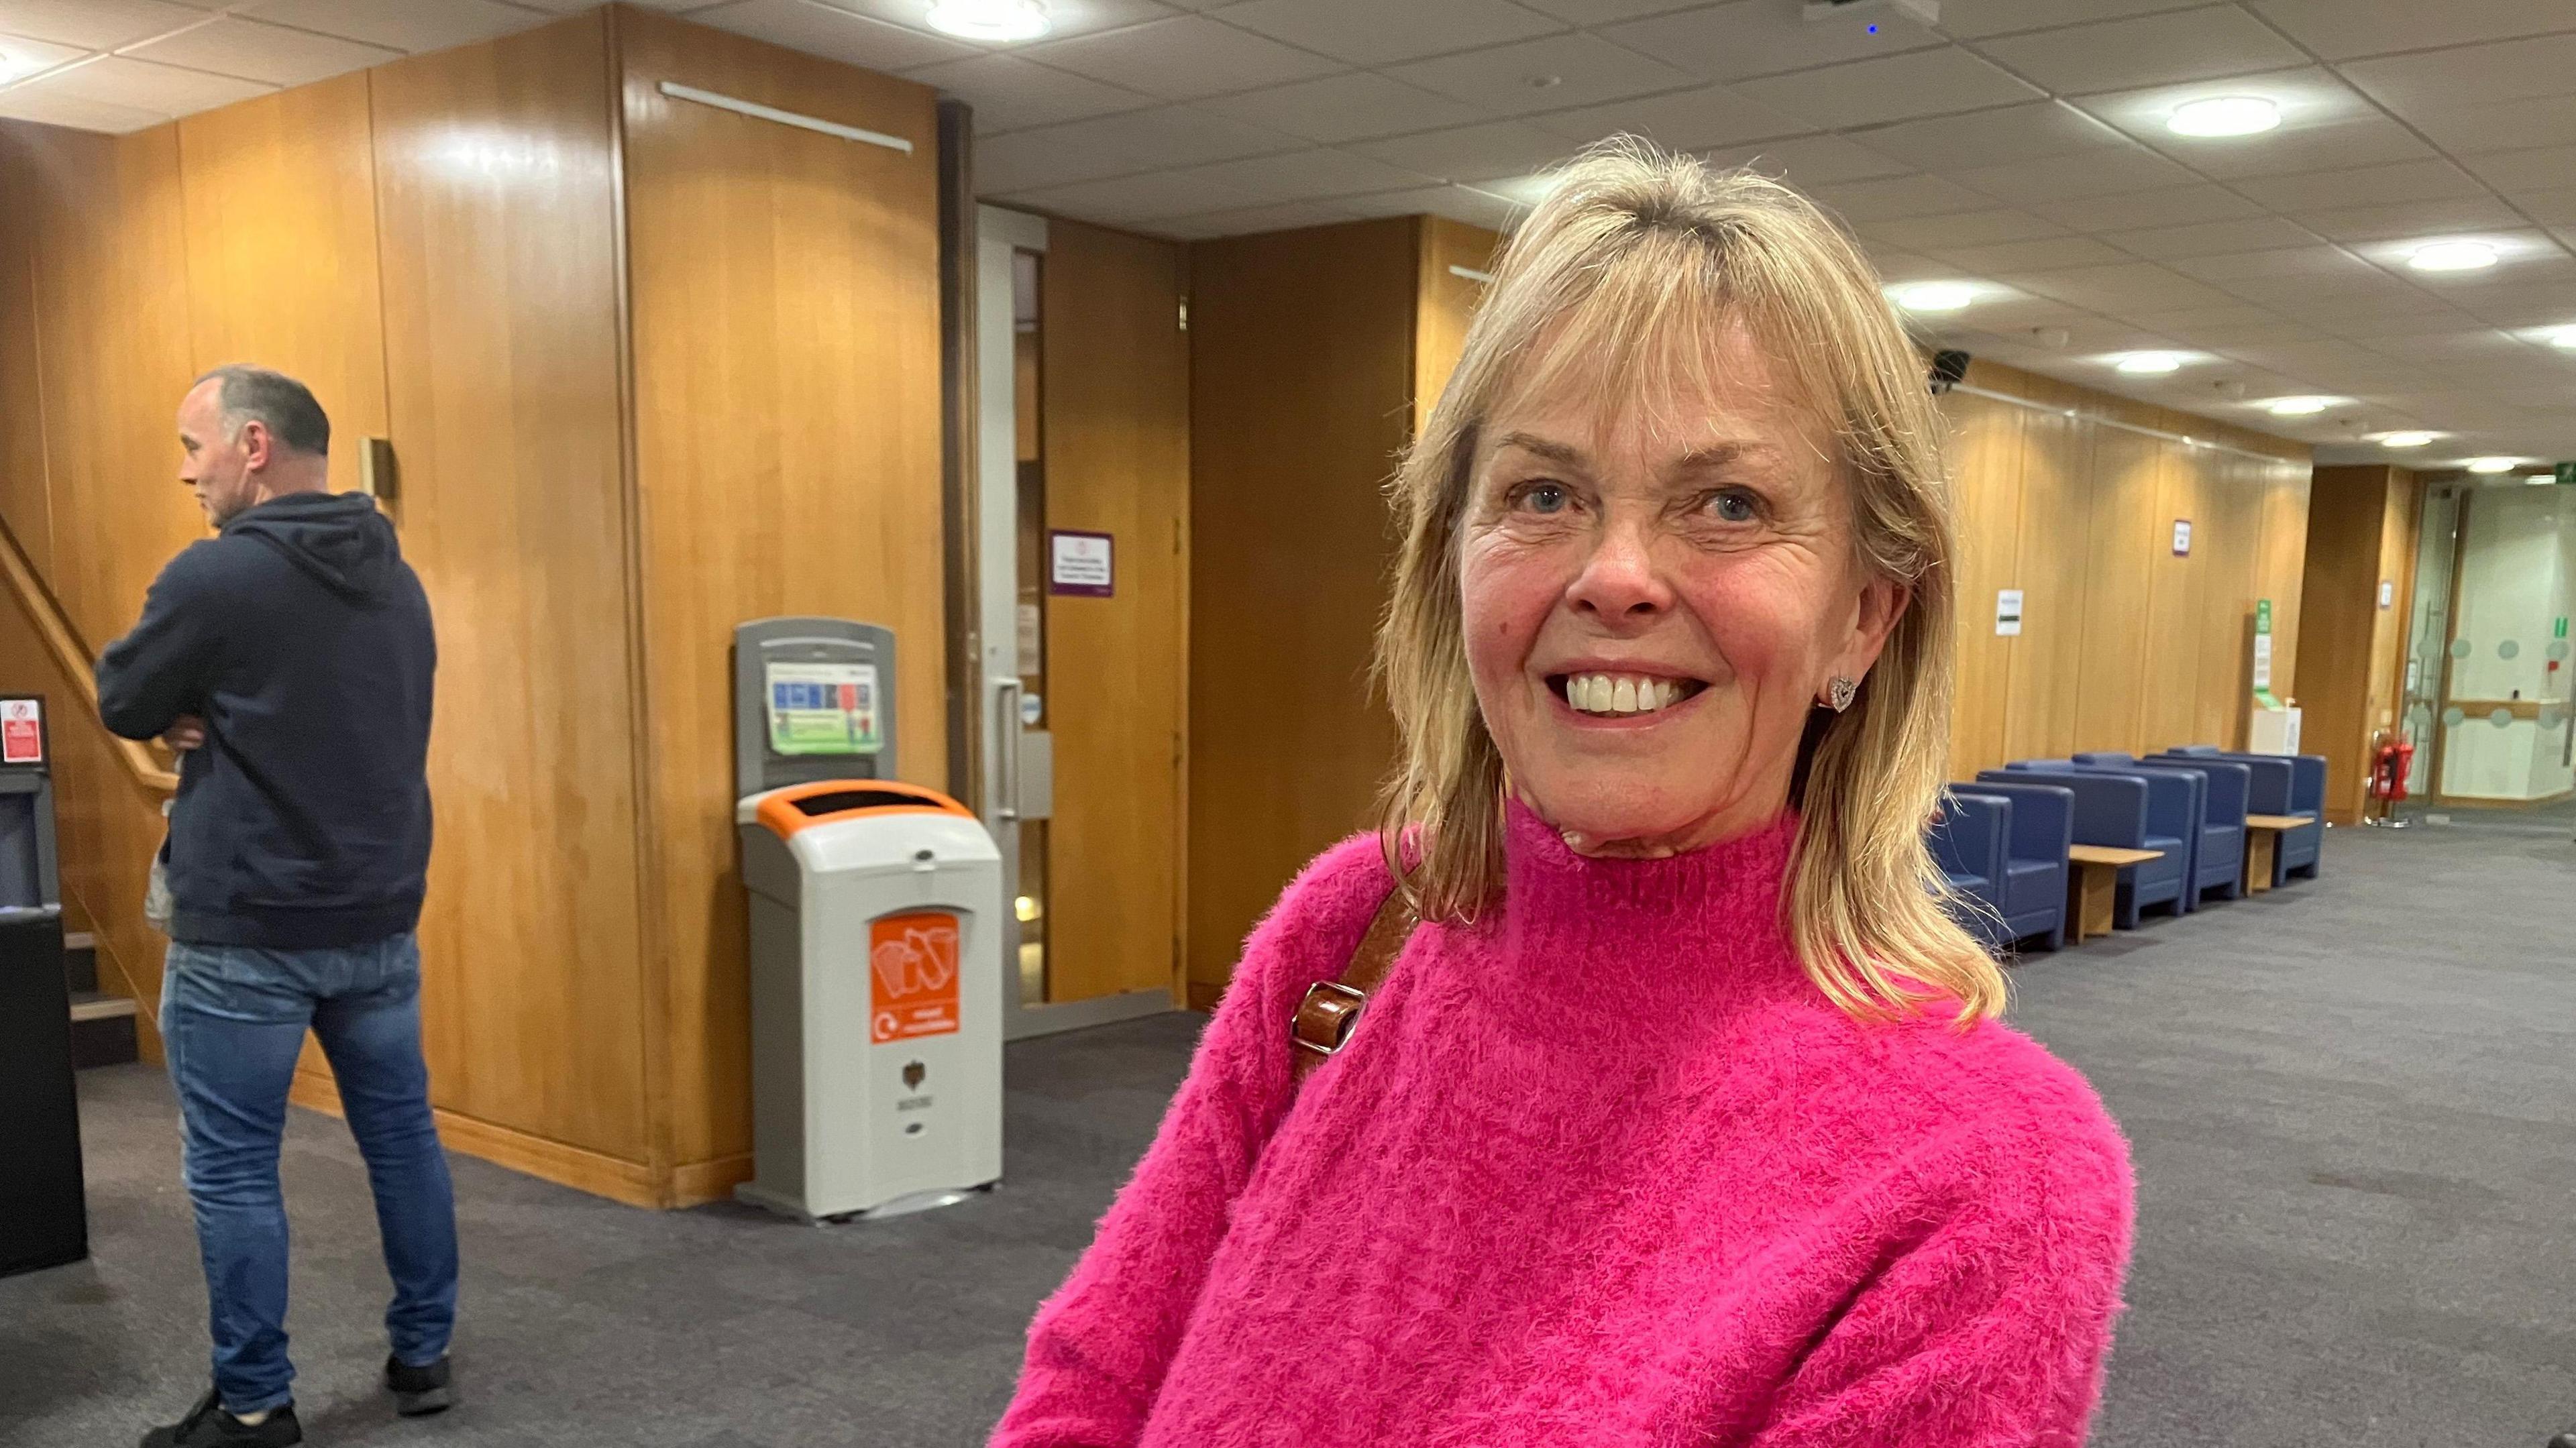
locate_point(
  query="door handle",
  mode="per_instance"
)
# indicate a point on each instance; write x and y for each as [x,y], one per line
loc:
[1006,791]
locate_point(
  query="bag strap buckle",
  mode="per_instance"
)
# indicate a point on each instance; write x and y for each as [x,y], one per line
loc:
[1326,1017]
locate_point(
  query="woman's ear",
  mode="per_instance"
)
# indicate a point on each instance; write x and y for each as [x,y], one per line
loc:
[1882,602]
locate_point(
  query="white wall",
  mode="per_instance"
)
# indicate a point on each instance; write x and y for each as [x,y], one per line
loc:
[2518,571]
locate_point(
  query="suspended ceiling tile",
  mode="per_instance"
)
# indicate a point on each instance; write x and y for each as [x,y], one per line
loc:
[2346,29]
[144,85]
[2430,180]
[2549,208]
[834,34]
[2005,135]
[1312,175]
[1107,146]
[2339,145]
[1958,229]
[1187,55]
[1011,94]
[95,24]
[2129,167]
[58,108]
[1473,153]
[1971,19]
[275,54]
[2476,126]
[2534,169]
[2184,45]
[1373,32]
[1693,120]
[2051,253]
[2435,80]
[21,57]
[1747,38]
[2173,205]
[1896,197]
[2426,219]
[1899,87]
[1608,12]
[1555,73]
[405,25]
[1810,160]
[1349,107]
[2211,238]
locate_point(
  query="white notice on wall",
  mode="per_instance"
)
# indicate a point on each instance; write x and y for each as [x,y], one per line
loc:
[2387,593]
[2262,661]
[2182,537]
[2007,611]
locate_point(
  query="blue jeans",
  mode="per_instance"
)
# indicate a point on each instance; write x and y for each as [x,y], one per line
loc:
[232,1023]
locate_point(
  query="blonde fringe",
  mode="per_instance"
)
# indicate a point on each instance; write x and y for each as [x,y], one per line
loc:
[1639,256]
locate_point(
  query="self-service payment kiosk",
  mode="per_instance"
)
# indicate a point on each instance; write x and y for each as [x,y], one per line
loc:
[876,940]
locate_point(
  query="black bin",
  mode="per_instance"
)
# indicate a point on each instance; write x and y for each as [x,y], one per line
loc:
[44,1219]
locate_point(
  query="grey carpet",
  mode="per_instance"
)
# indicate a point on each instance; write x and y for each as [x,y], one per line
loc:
[2353,1104]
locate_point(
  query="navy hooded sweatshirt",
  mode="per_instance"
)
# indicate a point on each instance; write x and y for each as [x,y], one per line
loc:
[303,640]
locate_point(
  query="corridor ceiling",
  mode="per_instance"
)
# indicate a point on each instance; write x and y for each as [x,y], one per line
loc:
[2020,146]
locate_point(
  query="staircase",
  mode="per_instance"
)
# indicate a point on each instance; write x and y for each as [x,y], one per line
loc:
[102,1024]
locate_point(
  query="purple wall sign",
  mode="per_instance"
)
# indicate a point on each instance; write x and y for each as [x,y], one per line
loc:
[1080,563]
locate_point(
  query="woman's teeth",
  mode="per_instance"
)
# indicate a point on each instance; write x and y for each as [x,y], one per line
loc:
[1621,693]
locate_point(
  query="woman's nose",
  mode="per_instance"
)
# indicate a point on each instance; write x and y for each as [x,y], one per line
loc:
[1619,579]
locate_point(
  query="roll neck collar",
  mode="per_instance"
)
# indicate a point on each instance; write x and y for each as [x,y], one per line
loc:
[1649,942]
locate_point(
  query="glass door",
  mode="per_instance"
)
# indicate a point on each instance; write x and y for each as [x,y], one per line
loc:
[2496,576]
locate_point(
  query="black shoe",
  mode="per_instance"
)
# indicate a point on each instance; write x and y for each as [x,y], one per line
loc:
[419,1392]
[209,1426]
[2564,1440]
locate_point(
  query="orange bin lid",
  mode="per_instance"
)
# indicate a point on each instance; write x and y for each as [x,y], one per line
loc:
[827,801]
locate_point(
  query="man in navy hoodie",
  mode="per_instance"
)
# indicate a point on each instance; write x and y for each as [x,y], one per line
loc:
[288,660]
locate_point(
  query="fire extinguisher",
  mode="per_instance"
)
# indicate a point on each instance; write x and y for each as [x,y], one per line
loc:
[2389,766]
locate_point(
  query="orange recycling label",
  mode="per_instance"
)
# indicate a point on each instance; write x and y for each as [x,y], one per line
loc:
[912,971]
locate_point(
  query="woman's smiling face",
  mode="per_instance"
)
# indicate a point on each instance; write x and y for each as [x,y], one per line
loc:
[1655,595]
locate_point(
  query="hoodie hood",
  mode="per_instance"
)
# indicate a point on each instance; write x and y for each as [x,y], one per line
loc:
[339,538]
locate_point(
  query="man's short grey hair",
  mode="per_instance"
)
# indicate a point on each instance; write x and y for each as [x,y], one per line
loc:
[276,401]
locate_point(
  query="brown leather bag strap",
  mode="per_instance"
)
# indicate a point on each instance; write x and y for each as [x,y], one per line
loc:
[1331,1009]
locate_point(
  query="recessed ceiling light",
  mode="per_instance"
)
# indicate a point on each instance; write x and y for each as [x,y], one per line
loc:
[1935,296]
[2148,364]
[2451,256]
[14,65]
[2564,337]
[2224,116]
[2298,406]
[989,19]
[2539,480]
[2492,465]
[2404,439]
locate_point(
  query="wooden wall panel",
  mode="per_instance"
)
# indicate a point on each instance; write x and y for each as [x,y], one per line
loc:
[2279,569]
[495,171]
[23,504]
[2119,569]
[1986,470]
[1445,302]
[280,201]
[112,304]
[2169,696]
[1117,461]
[785,325]
[1301,359]
[2048,660]
[2360,529]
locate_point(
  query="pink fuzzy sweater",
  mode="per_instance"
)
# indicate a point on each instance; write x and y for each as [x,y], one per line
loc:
[1603,1168]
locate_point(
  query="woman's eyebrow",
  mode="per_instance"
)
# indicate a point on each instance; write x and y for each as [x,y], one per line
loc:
[1723,454]
[1562,454]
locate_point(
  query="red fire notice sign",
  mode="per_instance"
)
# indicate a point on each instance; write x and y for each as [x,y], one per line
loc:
[912,970]
[22,731]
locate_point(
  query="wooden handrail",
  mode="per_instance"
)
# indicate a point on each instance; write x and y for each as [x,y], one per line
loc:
[73,659]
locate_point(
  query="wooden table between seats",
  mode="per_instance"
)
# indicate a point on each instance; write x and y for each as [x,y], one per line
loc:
[2262,837]
[2092,882]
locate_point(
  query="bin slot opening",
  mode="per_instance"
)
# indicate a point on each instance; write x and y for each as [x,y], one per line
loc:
[838,800]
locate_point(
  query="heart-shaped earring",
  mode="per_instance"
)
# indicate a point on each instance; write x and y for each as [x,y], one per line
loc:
[1839,692]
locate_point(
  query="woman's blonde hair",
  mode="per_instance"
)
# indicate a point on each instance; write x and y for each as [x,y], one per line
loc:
[1641,259]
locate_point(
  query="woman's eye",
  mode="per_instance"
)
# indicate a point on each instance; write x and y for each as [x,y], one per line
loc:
[1734,507]
[1545,497]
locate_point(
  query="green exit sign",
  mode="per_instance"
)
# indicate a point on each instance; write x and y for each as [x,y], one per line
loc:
[2567,472]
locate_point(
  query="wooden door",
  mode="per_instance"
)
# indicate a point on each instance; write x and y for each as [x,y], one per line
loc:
[1114,397]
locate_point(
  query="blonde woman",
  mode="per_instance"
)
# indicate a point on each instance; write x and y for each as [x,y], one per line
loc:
[1681,1116]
